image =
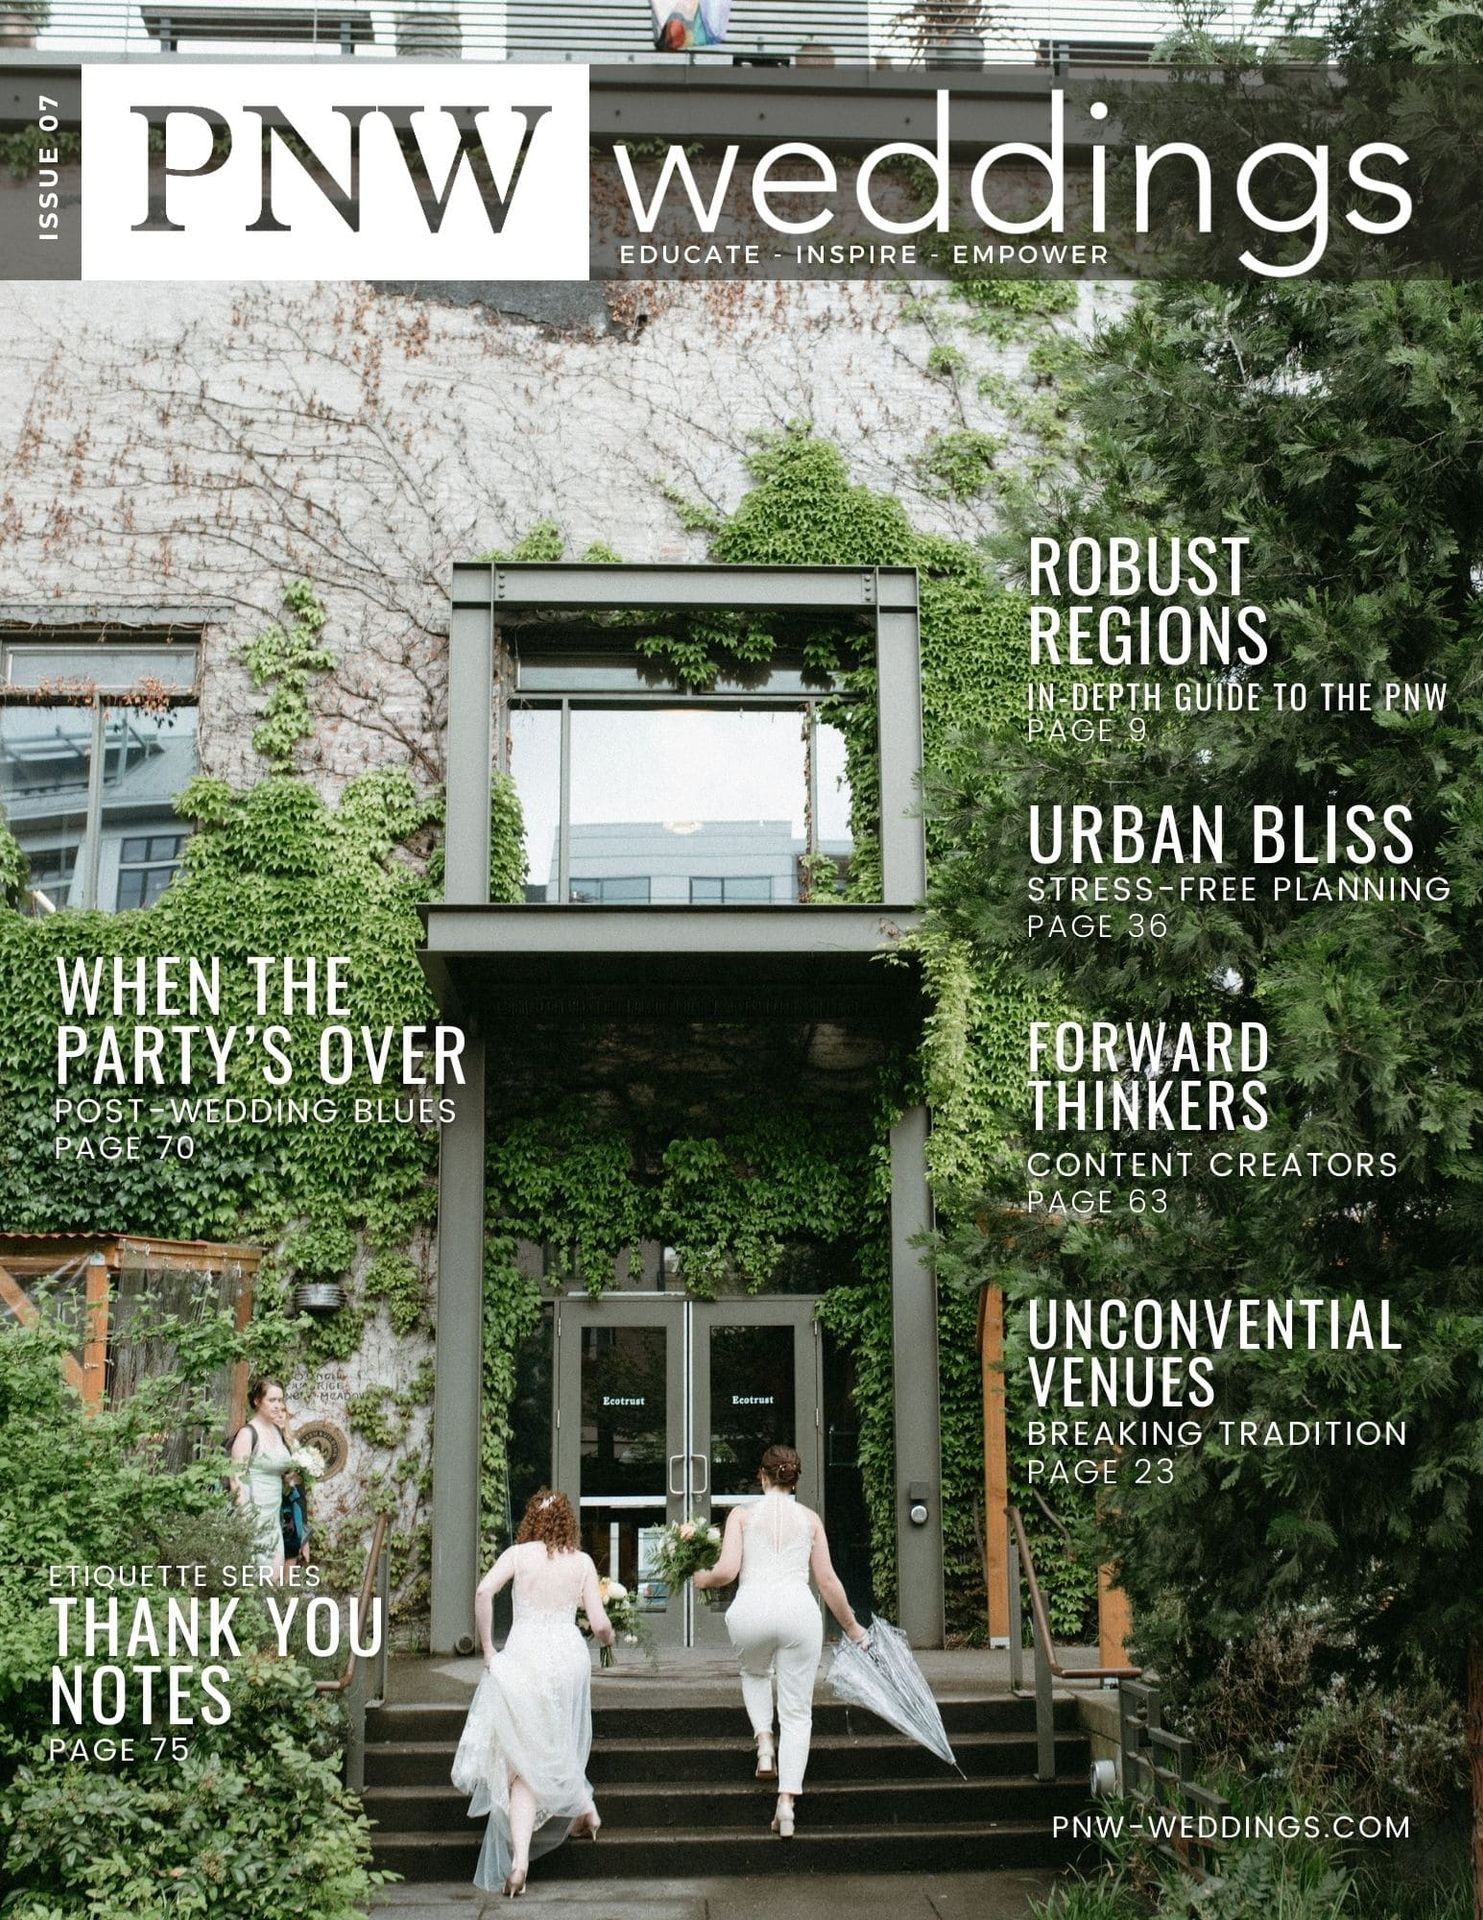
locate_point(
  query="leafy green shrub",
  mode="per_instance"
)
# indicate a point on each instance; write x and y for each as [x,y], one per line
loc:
[1383,1752]
[1279,1879]
[1260,1689]
[285,658]
[255,1813]
[958,465]
[255,1817]
[78,1491]
[1106,1897]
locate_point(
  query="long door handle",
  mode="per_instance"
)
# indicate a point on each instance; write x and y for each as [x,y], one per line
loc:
[678,1492]
[701,1460]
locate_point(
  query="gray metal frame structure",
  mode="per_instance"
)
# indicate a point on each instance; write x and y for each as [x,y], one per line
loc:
[487,962]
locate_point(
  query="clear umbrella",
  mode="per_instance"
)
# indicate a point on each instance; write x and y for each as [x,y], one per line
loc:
[883,1677]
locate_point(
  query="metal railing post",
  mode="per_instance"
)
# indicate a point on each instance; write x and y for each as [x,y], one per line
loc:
[383,1653]
[355,1729]
[355,1681]
[1045,1716]
[1016,1620]
[1048,1669]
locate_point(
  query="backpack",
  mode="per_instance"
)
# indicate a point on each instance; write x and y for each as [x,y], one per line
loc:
[293,1509]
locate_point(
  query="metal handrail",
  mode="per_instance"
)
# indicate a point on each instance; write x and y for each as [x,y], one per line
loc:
[1043,1646]
[353,1683]
[372,1581]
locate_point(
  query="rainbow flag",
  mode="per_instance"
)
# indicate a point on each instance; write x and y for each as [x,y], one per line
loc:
[680,25]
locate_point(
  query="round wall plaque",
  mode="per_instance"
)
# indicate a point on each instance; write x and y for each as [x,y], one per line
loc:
[327,1440]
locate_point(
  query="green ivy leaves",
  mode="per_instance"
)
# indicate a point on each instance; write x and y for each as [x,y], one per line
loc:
[287,658]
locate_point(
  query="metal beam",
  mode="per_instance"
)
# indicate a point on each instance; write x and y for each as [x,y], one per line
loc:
[777,589]
[661,930]
[847,106]
[470,738]
[459,1320]
[899,678]
[919,1552]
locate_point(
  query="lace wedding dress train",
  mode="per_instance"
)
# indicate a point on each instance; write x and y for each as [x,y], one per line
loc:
[531,1717]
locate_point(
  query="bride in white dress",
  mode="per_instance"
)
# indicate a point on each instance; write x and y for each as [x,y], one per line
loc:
[774,1620]
[523,1754]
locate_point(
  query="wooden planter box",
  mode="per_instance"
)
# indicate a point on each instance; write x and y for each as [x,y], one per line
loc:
[99,1286]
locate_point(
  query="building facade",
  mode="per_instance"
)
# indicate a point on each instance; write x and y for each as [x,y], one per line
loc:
[660,1396]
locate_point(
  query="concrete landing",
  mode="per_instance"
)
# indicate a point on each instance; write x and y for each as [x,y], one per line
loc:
[942,1896]
[691,1678]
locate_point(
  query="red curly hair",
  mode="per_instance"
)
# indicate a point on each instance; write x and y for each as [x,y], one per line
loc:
[548,1517]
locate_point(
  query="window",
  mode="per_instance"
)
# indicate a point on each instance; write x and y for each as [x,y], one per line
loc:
[51,873]
[630,890]
[147,863]
[97,737]
[730,889]
[634,793]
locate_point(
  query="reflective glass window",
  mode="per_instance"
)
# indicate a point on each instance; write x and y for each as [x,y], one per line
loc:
[624,1412]
[753,1402]
[730,889]
[597,672]
[147,759]
[46,756]
[684,793]
[611,890]
[535,763]
[832,783]
[88,791]
[113,667]
[147,864]
[648,803]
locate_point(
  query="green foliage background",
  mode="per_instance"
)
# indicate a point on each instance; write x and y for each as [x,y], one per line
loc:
[256,1813]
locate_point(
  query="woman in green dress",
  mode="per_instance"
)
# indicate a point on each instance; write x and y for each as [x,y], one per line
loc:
[262,1455]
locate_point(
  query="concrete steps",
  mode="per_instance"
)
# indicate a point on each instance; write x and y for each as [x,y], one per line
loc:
[677,1796]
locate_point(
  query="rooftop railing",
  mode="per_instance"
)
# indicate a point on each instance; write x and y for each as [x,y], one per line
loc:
[608,32]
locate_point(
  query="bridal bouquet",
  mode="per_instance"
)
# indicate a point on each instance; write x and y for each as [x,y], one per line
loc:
[683,1549]
[309,1463]
[622,1609]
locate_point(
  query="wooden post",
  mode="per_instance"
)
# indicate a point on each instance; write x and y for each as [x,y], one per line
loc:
[237,1410]
[13,1295]
[95,1334]
[1114,1620]
[996,1462]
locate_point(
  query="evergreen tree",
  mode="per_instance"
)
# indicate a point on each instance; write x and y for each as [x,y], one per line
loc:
[1340,431]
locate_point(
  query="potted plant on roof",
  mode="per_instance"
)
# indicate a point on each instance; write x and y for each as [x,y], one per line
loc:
[947,33]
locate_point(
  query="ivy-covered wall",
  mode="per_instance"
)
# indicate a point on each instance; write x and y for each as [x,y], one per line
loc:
[959,389]
[271,871]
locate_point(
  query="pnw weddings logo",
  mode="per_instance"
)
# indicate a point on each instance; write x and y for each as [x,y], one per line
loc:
[268,172]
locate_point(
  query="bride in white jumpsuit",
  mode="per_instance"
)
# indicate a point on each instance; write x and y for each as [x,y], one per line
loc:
[774,1620]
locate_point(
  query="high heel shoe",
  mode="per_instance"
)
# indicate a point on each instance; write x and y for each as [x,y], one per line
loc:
[767,1765]
[587,1828]
[782,1820]
[514,1883]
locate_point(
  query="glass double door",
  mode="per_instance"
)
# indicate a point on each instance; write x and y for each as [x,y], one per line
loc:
[664,1407]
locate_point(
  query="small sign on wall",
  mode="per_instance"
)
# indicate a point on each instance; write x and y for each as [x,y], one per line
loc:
[328,1441]
[680,25]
